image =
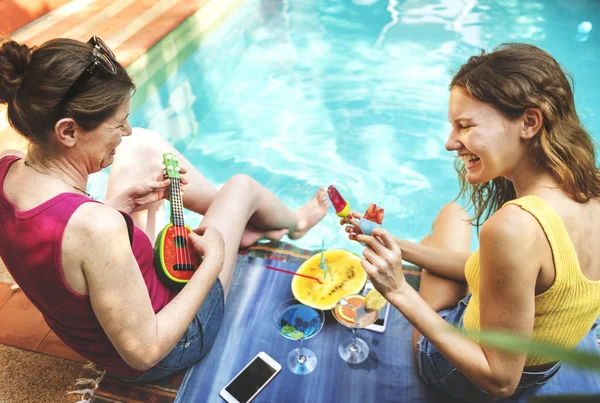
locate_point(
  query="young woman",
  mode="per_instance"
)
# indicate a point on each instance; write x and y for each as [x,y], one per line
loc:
[529,168]
[88,266]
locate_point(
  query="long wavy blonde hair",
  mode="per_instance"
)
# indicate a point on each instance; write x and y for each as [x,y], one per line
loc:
[513,78]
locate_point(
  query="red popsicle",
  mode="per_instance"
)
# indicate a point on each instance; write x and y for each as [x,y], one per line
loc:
[336,199]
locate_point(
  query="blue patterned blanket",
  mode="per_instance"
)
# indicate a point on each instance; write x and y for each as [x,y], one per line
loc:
[388,375]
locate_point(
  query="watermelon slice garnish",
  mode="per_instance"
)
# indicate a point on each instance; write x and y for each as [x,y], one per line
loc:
[336,199]
[374,214]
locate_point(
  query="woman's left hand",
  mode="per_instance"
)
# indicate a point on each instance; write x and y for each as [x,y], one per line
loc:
[383,262]
[152,189]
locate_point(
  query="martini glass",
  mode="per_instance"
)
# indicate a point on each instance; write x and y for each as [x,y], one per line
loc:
[350,312]
[296,321]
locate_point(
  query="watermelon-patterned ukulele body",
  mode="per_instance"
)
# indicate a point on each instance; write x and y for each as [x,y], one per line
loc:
[175,260]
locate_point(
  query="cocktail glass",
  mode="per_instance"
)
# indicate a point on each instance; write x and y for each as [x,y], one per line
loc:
[350,312]
[296,321]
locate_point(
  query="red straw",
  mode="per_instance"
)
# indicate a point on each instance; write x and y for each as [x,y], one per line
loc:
[294,273]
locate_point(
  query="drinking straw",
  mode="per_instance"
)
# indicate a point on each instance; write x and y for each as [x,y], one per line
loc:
[322,264]
[293,273]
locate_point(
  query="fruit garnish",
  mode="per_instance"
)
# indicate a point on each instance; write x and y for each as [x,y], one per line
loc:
[345,276]
[374,301]
[291,332]
[336,199]
[348,313]
[374,214]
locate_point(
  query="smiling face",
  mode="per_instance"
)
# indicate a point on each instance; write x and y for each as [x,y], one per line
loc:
[99,145]
[485,140]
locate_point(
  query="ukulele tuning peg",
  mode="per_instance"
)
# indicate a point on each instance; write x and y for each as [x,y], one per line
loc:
[176,159]
[178,169]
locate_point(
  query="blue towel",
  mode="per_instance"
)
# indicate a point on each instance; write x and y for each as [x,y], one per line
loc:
[388,374]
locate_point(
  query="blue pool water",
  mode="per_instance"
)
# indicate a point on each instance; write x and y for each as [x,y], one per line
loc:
[299,322]
[303,94]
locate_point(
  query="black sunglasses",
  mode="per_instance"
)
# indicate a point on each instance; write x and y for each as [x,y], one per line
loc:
[102,57]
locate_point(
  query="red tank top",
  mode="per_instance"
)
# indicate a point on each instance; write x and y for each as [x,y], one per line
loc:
[31,249]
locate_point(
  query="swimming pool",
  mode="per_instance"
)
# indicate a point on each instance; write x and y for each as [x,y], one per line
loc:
[303,94]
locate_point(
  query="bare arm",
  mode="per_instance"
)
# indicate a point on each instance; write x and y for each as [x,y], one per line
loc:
[119,295]
[509,268]
[441,262]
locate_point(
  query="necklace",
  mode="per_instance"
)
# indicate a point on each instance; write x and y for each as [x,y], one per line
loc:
[30,165]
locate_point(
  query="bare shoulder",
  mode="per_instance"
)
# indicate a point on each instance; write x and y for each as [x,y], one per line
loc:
[510,227]
[97,218]
[512,251]
[93,227]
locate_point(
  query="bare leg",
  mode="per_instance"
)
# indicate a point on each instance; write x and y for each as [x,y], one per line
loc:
[139,156]
[241,200]
[451,230]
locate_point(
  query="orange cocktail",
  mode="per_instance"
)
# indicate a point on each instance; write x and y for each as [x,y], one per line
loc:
[350,312]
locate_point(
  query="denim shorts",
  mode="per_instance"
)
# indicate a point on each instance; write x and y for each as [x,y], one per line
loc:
[196,341]
[438,371]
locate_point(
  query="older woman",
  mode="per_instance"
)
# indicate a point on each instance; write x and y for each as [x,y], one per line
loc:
[88,266]
[527,164]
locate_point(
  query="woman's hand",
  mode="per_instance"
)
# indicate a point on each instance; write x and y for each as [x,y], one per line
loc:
[153,189]
[352,224]
[383,262]
[209,242]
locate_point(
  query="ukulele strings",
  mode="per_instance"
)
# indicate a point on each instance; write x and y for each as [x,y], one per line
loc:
[180,229]
[187,253]
[177,220]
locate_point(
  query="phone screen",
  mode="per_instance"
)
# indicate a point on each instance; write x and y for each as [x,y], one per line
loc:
[381,317]
[248,382]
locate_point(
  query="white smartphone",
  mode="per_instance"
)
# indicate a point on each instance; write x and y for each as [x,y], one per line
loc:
[251,379]
[381,322]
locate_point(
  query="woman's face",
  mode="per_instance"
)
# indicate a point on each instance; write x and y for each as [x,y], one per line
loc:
[487,142]
[100,144]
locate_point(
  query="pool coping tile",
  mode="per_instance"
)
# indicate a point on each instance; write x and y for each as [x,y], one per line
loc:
[21,324]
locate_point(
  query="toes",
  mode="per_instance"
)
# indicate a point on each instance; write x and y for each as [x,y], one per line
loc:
[322,196]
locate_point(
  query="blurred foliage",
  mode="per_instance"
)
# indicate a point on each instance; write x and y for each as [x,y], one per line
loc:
[518,344]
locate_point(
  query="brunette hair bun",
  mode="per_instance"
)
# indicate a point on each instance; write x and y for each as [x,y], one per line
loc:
[14,59]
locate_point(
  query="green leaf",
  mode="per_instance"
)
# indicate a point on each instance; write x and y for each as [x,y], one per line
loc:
[519,344]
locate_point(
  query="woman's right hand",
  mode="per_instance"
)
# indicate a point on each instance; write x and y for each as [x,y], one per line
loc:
[209,242]
[352,224]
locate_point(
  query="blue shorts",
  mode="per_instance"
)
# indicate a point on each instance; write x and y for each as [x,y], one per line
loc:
[196,341]
[438,371]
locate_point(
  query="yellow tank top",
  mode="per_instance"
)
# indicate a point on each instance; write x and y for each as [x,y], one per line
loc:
[567,310]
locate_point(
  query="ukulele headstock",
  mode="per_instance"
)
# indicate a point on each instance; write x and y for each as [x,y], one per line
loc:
[171,165]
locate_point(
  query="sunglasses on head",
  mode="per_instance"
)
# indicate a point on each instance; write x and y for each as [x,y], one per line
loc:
[102,57]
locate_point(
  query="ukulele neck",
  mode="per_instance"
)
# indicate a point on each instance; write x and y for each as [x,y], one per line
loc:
[176,203]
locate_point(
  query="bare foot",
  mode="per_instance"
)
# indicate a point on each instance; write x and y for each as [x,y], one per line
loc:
[252,235]
[311,213]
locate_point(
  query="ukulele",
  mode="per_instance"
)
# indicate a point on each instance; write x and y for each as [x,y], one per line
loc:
[175,260]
